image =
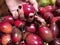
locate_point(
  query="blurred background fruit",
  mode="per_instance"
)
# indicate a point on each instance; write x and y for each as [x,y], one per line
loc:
[43,2]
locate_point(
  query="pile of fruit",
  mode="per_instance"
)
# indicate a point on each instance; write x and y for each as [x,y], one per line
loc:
[39,28]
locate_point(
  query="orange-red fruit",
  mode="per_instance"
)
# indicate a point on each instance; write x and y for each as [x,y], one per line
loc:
[6,39]
[6,27]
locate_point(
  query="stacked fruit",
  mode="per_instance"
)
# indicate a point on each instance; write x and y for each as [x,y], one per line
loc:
[39,28]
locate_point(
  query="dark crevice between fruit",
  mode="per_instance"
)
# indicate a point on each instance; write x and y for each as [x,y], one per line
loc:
[58,24]
[22,30]
[10,42]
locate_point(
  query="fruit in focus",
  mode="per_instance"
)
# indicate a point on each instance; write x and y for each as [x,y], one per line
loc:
[6,38]
[16,35]
[31,28]
[45,33]
[33,39]
[9,19]
[27,8]
[6,27]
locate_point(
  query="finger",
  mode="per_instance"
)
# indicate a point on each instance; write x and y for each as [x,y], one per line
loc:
[21,12]
[40,19]
[35,4]
[15,14]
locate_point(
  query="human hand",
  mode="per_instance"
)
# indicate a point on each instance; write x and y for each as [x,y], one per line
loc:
[13,5]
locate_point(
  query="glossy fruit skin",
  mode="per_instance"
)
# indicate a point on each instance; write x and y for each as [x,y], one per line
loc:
[57,12]
[16,35]
[55,41]
[6,38]
[31,28]
[6,27]
[54,19]
[45,33]
[42,10]
[28,9]
[48,16]
[33,39]
[58,3]
[55,30]
[50,8]
[19,23]
[9,19]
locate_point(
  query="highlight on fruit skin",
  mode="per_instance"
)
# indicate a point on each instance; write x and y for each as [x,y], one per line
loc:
[6,38]
[6,27]
[28,8]
[9,18]
[16,35]
[38,28]
[45,33]
[33,39]
[31,28]
[19,23]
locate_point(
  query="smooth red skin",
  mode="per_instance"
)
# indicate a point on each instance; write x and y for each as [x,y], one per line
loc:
[16,35]
[48,16]
[58,3]
[18,23]
[45,33]
[42,10]
[9,19]
[55,30]
[55,19]
[33,39]
[5,39]
[28,9]
[6,27]
[58,12]
[55,42]
[31,28]
[49,8]
[0,26]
